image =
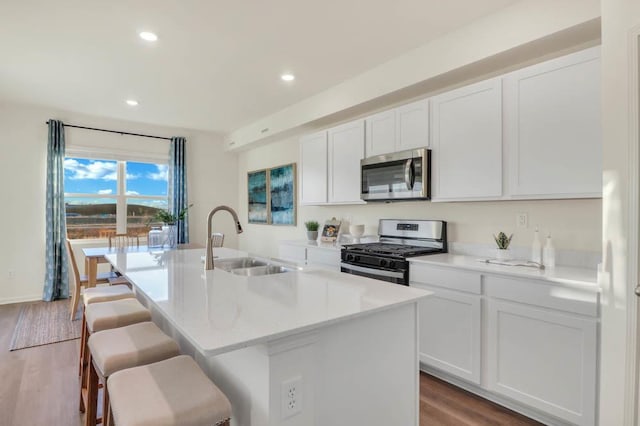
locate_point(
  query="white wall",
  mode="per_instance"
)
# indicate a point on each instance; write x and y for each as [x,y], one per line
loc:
[211,178]
[620,21]
[574,224]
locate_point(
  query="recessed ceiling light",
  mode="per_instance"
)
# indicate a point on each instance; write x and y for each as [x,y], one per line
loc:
[288,77]
[132,102]
[148,36]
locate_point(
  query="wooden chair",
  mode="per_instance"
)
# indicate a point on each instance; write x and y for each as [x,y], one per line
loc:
[217,239]
[123,241]
[80,280]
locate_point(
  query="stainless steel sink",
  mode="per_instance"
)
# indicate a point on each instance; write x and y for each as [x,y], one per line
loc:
[238,263]
[261,270]
[249,266]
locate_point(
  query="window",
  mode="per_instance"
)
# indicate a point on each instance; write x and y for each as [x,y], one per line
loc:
[105,197]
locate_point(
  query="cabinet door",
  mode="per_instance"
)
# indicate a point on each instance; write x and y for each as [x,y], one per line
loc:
[553,128]
[313,170]
[380,133]
[544,359]
[467,142]
[450,332]
[346,149]
[323,257]
[412,125]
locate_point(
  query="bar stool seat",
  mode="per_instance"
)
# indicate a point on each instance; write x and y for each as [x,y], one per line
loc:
[106,294]
[170,392]
[118,313]
[120,348]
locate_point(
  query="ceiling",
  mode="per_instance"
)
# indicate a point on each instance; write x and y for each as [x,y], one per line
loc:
[217,64]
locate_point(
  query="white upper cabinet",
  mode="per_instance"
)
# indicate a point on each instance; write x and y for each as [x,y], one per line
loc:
[381,133]
[313,170]
[553,128]
[466,138]
[346,149]
[412,125]
[398,129]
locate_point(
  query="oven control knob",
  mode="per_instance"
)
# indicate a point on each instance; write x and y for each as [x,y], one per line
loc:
[392,264]
[383,262]
[357,259]
[350,257]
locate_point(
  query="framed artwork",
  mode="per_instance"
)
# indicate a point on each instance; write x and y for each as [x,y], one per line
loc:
[330,230]
[282,195]
[258,197]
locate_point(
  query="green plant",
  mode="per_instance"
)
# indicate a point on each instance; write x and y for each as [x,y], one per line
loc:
[503,241]
[312,225]
[170,219]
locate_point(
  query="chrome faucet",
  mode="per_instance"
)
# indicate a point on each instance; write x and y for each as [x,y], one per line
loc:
[208,264]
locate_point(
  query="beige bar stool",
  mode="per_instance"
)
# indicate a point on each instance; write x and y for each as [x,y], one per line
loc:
[104,316]
[171,392]
[120,348]
[98,295]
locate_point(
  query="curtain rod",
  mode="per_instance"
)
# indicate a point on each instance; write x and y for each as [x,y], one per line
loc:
[115,131]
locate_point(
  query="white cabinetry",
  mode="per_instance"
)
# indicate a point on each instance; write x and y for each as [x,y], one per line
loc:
[450,321]
[398,129]
[346,149]
[542,345]
[313,170]
[466,127]
[553,128]
[292,252]
[327,257]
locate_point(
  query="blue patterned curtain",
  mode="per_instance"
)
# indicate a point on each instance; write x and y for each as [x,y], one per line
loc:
[56,283]
[178,199]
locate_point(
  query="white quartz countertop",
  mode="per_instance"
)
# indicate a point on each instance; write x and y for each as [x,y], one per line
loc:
[218,311]
[582,277]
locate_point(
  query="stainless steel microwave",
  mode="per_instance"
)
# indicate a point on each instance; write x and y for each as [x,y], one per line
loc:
[397,176]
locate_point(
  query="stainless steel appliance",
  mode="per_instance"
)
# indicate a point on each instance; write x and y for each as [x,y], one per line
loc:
[398,176]
[399,239]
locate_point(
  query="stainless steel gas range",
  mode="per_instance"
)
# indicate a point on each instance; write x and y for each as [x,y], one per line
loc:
[399,239]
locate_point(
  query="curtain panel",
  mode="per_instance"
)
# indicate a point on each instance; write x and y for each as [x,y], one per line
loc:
[56,283]
[178,200]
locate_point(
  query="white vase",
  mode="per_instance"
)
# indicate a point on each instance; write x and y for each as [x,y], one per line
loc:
[503,254]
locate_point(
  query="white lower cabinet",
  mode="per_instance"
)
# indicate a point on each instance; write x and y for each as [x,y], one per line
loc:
[544,359]
[450,332]
[292,252]
[528,344]
[298,252]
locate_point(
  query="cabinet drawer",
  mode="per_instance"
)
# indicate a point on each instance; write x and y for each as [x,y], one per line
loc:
[447,278]
[323,256]
[539,293]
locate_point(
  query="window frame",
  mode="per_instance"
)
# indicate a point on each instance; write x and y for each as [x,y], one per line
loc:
[121,195]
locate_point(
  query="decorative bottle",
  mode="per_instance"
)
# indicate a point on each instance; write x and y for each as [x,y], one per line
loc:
[536,247]
[549,255]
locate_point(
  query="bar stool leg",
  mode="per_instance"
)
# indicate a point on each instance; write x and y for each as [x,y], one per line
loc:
[92,395]
[83,344]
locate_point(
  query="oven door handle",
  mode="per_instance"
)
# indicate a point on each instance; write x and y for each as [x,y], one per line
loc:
[372,271]
[409,174]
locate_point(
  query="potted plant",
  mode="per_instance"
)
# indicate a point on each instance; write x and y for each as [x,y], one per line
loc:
[312,230]
[503,245]
[170,220]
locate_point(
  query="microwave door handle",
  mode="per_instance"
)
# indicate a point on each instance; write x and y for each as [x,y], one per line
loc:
[409,174]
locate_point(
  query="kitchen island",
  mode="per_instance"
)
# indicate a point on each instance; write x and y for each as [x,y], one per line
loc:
[304,347]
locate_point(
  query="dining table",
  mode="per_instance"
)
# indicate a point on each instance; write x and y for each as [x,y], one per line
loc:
[95,255]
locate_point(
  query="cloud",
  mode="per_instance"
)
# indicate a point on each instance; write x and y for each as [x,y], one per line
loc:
[132,193]
[103,170]
[105,191]
[161,174]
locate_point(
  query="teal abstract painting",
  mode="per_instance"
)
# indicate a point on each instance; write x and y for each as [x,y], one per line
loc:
[282,193]
[258,205]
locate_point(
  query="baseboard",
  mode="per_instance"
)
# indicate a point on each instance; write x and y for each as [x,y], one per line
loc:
[512,405]
[21,299]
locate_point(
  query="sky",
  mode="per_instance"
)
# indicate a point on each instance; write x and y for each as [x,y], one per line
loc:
[83,176]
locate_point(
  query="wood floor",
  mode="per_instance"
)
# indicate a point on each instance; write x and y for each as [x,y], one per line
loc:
[39,386]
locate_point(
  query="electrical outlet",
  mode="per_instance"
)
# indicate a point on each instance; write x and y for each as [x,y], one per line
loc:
[522,220]
[11,274]
[291,397]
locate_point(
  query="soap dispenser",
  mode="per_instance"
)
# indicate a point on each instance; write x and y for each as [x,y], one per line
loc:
[549,254]
[536,248]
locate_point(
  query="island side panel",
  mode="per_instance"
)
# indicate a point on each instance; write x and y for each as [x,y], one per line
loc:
[368,371]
